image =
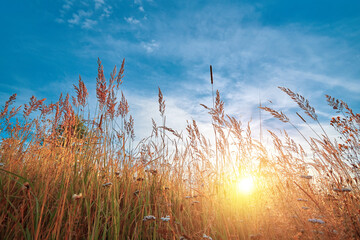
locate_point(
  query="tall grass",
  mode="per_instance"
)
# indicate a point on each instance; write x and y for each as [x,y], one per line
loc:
[68,173]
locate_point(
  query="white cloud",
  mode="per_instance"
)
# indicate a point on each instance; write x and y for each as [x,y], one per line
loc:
[75,19]
[131,20]
[106,12]
[67,5]
[88,23]
[150,46]
[86,17]
[99,3]
[81,17]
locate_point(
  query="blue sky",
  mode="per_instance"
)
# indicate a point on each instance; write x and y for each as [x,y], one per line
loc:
[311,47]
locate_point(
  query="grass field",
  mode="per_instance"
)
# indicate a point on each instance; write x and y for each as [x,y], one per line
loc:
[68,173]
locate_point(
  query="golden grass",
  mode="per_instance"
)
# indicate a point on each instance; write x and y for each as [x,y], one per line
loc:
[67,176]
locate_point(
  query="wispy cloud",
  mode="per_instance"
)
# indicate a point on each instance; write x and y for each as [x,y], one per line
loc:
[88,23]
[131,20]
[83,14]
[106,12]
[68,4]
[99,3]
[150,46]
[82,18]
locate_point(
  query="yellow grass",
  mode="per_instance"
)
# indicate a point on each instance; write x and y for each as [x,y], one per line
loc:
[69,174]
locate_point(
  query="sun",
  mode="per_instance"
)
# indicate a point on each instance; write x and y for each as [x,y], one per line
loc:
[245,185]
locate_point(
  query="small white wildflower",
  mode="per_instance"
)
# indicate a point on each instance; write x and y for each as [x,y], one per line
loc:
[188,197]
[195,202]
[148,218]
[207,237]
[165,219]
[107,184]
[306,176]
[77,196]
[314,220]
[302,200]
[342,190]
[346,190]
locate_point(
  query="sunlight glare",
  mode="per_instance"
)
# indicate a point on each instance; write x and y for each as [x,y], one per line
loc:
[245,185]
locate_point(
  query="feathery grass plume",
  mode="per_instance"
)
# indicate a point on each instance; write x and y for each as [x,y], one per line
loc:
[175,133]
[123,107]
[302,102]
[154,128]
[129,127]
[281,116]
[81,93]
[217,112]
[101,89]
[335,103]
[11,100]
[161,103]
[120,76]
[13,112]
[34,104]
[111,102]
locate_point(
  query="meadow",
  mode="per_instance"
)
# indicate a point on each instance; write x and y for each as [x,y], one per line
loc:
[69,173]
